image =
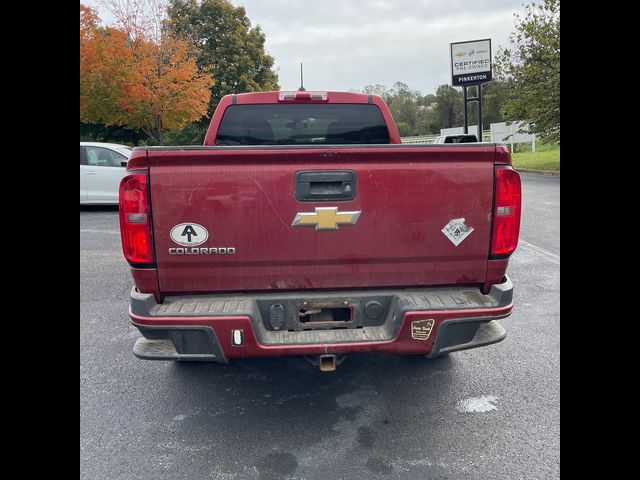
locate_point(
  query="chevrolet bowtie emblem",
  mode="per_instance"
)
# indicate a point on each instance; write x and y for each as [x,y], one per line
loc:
[325,218]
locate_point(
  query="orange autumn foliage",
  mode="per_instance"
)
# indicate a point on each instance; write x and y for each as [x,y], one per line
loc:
[136,82]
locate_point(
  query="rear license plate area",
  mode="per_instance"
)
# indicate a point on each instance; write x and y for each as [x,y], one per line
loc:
[323,316]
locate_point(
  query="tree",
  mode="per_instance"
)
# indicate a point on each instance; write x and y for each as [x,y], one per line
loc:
[408,107]
[401,89]
[494,95]
[380,90]
[405,110]
[88,23]
[404,106]
[98,132]
[404,129]
[449,107]
[428,100]
[426,122]
[417,114]
[140,79]
[532,69]
[224,43]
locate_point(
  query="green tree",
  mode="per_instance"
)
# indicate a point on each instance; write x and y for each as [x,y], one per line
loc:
[494,96]
[226,45]
[404,110]
[449,107]
[532,69]
[404,106]
[378,89]
[417,114]
[428,100]
[404,129]
[401,89]
[426,122]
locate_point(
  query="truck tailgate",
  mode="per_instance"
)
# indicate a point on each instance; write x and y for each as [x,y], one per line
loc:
[245,197]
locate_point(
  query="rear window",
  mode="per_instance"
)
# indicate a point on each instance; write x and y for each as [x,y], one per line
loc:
[461,139]
[302,124]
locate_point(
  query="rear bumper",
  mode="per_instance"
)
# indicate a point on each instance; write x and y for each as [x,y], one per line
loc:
[416,322]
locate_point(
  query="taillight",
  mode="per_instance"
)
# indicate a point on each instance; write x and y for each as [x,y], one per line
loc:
[506,212]
[135,219]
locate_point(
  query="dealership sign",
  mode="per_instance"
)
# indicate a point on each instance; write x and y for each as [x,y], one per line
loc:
[471,62]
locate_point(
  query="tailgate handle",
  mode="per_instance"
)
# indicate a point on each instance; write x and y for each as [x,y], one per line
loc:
[325,185]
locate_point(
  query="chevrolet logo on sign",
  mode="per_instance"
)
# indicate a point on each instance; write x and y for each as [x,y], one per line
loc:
[325,218]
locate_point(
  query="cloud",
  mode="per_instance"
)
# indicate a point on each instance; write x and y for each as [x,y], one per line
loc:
[350,44]
[347,44]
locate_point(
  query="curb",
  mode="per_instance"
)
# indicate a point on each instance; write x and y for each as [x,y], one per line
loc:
[539,172]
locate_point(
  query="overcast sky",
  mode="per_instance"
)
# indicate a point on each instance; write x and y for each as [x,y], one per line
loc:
[347,44]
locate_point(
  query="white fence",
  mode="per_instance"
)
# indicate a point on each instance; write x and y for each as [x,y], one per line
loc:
[497,133]
[503,133]
[419,139]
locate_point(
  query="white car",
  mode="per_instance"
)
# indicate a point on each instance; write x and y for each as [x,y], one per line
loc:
[460,138]
[102,166]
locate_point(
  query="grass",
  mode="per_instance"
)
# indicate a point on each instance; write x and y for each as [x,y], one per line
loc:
[546,157]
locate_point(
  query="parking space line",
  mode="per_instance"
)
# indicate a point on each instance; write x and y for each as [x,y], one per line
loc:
[551,256]
[113,232]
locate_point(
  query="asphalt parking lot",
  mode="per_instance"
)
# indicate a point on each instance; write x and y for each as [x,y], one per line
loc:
[488,413]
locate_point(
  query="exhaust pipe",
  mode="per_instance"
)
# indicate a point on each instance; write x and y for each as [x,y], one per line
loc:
[327,363]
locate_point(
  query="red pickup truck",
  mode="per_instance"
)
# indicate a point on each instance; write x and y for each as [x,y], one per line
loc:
[304,227]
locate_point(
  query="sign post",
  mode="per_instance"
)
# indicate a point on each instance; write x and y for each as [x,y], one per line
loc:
[471,65]
[466,126]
